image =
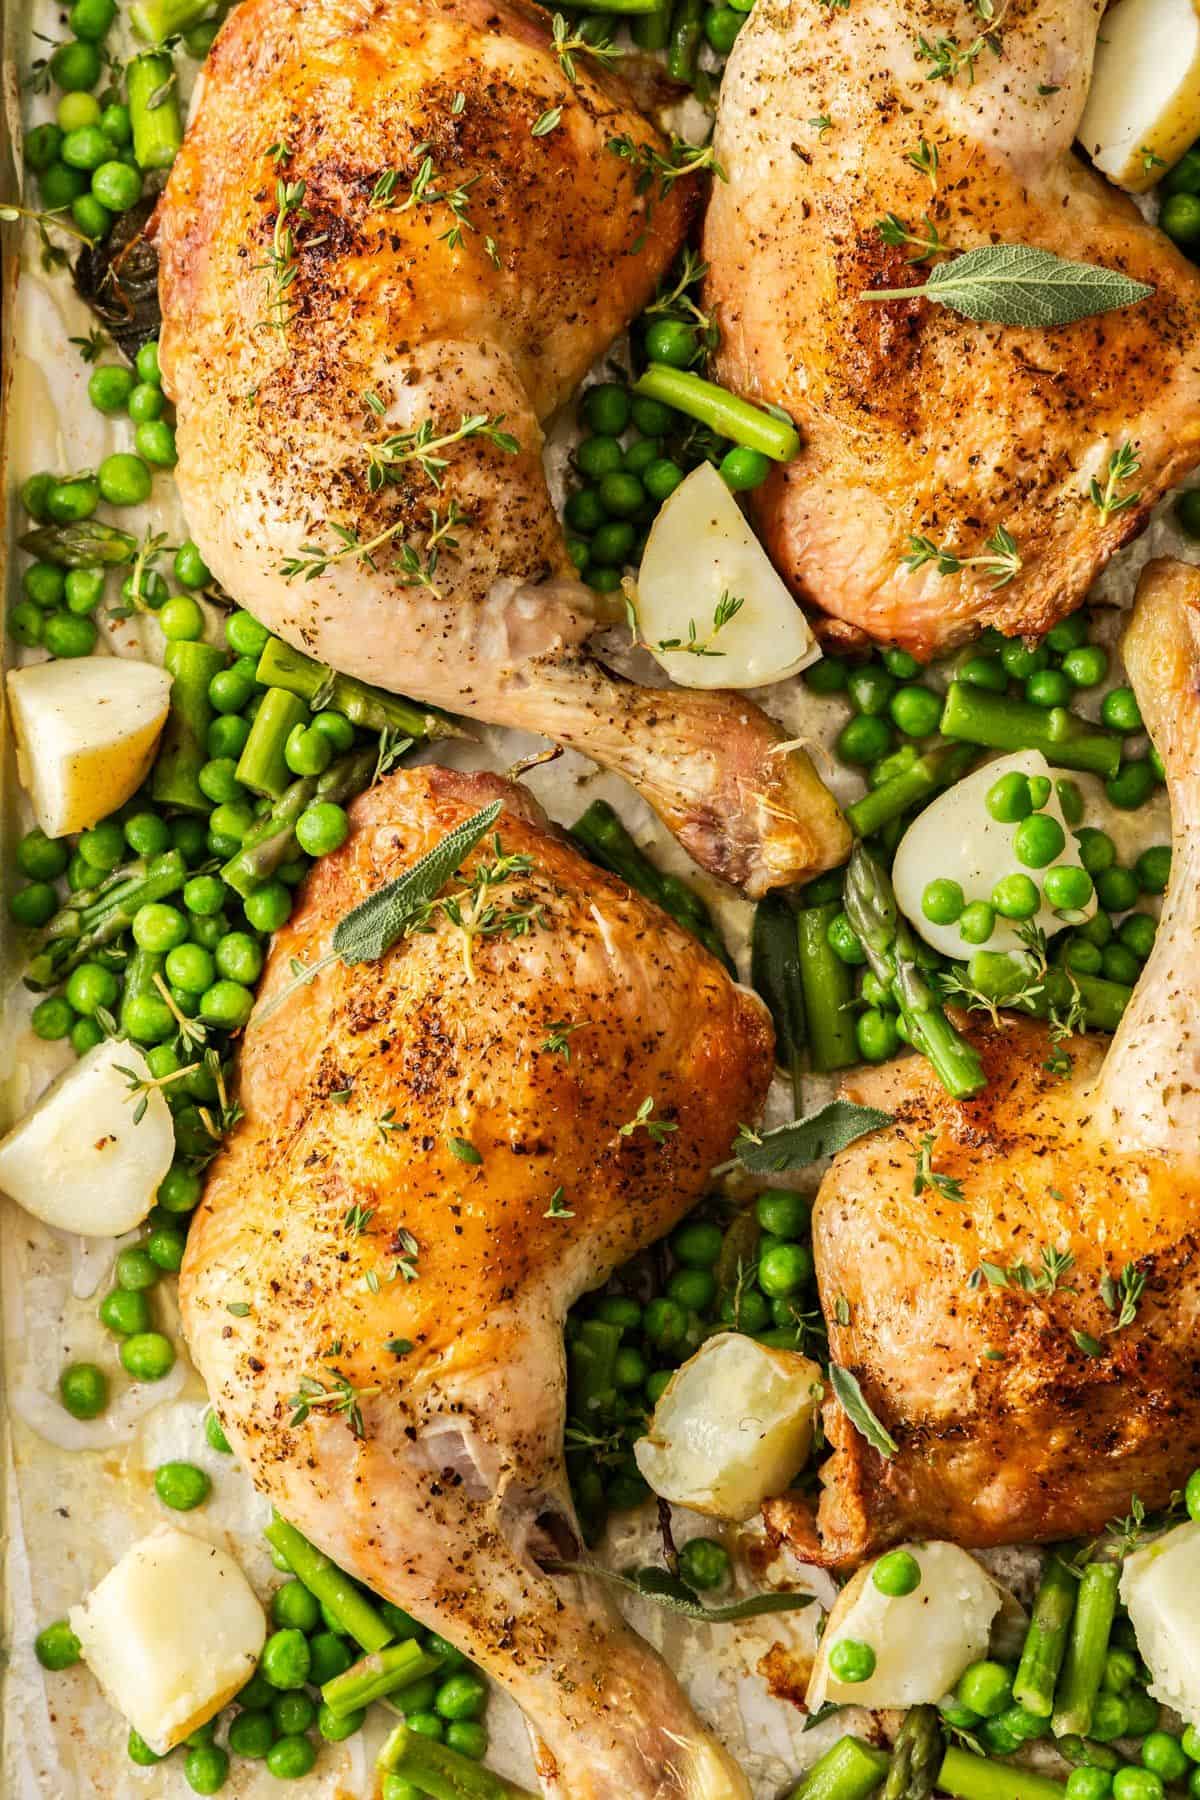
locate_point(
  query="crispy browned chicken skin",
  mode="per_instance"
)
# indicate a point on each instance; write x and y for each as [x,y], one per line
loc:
[365,237]
[1032,1415]
[916,421]
[361,1090]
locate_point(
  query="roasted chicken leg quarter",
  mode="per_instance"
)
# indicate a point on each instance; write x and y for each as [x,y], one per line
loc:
[440,1151]
[1035,1407]
[398,234]
[864,145]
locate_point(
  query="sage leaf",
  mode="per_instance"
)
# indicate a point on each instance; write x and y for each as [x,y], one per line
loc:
[804,1141]
[1017,284]
[853,1403]
[372,926]
[667,1590]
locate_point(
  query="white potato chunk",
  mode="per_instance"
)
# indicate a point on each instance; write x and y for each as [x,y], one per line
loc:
[79,1160]
[1144,100]
[733,1427]
[700,560]
[956,837]
[171,1633]
[922,1641]
[86,729]
[1160,1586]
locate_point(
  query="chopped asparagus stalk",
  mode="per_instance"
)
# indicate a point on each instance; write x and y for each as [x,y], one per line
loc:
[322,1577]
[969,1777]
[916,1756]
[1083,1667]
[1013,981]
[891,952]
[183,750]
[724,412]
[929,775]
[91,922]
[369,707]
[380,1673]
[775,977]
[849,1770]
[154,111]
[262,766]
[1046,1640]
[1064,739]
[88,545]
[828,989]
[154,21]
[606,841]
[441,1772]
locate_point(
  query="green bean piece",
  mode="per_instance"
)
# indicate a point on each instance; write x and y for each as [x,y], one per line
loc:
[369,707]
[1064,739]
[443,1773]
[79,929]
[849,1770]
[183,750]
[1046,1640]
[154,110]
[605,840]
[686,36]
[373,1676]
[335,1590]
[262,766]
[916,1756]
[87,545]
[724,412]
[776,978]
[890,945]
[154,21]
[929,775]
[272,841]
[1083,1667]
[969,1777]
[827,985]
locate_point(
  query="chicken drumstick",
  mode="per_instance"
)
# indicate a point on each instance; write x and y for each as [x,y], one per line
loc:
[440,1151]
[1033,1408]
[398,234]
[841,128]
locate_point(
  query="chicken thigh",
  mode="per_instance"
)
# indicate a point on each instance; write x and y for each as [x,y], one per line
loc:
[1028,1337]
[398,234]
[440,1151]
[917,423]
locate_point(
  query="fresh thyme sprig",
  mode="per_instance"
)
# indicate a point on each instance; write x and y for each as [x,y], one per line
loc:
[282,264]
[949,1187]
[569,44]
[644,1120]
[424,447]
[927,243]
[423,190]
[727,608]
[1047,1278]
[649,164]
[1123,1295]
[1123,465]
[948,59]
[338,1395]
[925,159]
[1001,559]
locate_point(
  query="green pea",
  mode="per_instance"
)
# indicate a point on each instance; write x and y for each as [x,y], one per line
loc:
[60,187]
[747,1312]
[307,750]
[828,676]
[782,1213]
[291,1758]
[69,502]
[293,1605]
[1136,1784]
[40,857]
[179,1190]
[697,1244]
[42,146]
[461,1697]
[664,1323]
[85,1034]
[251,1735]
[293,1713]
[91,987]
[1038,840]
[182,620]
[619,1310]
[145,590]
[191,570]
[1087,666]
[985,672]
[91,19]
[154,441]
[268,907]
[1137,934]
[1119,964]
[612,546]
[917,711]
[621,495]
[986,1687]
[651,417]
[204,895]
[181,1485]
[83,1390]
[75,66]
[605,408]
[1187,511]
[33,905]
[322,828]
[67,636]
[976,922]
[135,1270]
[672,342]
[147,1355]
[598,456]
[1068,634]
[116,185]
[851,1660]
[1180,219]
[125,1311]
[721,27]
[1132,785]
[1121,711]
[44,584]
[205,1769]
[52,1019]
[870,689]
[165,1247]
[158,927]
[1164,1755]
[208,931]
[1153,869]
[743,469]
[227,1004]
[1016,897]
[844,941]
[583,511]
[656,1386]
[897,1574]
[1048,688]
[704,1563]
[1097,852]
[784,1269]
[1020,659]
[694,1290]
[878,1039]
[330,1656]
[1142,1712]
[92,219]
[56,1646]
[147,363]
[138,1751]
[1067,888]
[1110,1718]
[603,580]
[943,901]
[116,124]
[26,625]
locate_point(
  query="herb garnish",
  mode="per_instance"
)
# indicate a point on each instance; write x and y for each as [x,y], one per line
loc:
[1001,560]
[727,608]
[1123,465]
[804,1141]
[644,1120]
[1018,284]
[949,1187]
[338,1396]
[557,1208]
[895,232]
[850,1396]
[425,446]
[1123,1295]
